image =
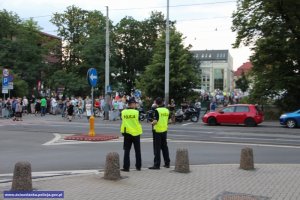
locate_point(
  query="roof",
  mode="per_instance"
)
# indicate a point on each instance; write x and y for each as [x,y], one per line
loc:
[246,67]
[49,35]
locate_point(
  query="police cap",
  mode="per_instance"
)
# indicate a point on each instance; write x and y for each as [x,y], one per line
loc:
[131,100]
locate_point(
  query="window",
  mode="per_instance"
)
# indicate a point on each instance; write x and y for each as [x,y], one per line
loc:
[219,78]
[242,109]
[228,109]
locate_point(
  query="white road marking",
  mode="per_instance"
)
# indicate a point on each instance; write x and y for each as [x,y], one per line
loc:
[55,139]
[58,137]
[58,140]
[271,139]
[234,143]
[186,124]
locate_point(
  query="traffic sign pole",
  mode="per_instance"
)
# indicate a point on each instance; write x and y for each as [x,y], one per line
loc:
[92,100]
[92,80]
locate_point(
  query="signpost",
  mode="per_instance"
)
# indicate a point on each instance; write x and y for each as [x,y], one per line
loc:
[92,78]
[5,81]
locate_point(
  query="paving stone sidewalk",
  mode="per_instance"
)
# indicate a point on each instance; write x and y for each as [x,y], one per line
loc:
[204,182]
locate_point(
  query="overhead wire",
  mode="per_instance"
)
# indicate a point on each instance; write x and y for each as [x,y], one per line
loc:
[155,7]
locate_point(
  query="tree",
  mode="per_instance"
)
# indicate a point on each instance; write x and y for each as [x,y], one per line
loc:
[184,75]
[242,83]
[21,49]
[134,42]
[83,33]
[272,28]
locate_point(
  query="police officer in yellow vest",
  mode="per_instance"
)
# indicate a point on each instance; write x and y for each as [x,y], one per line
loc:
[131,129]
[160,128]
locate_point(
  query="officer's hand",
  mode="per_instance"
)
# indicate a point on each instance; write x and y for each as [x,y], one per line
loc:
[154,122]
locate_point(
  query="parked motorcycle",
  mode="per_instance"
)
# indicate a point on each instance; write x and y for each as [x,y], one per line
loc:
[179,115]
[142,114]
[189,114]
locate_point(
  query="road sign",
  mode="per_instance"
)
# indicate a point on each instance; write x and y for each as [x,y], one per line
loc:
[5,81]
[4,91]
[10,85]
[10,78]
[5,72]
[108,89]
[92,77]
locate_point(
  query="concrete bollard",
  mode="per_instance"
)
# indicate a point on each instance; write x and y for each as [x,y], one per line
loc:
[112,167]
[22,177]
[182,161]
[246,161]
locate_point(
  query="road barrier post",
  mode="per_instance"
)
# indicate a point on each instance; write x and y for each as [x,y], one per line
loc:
[246,161]
[112,167]
[92,126]
[182,161]
[22,177]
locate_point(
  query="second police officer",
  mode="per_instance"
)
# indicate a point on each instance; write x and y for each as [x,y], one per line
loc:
[131,129]
[160,128]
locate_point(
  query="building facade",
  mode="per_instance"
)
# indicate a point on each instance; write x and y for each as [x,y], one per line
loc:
[217,69]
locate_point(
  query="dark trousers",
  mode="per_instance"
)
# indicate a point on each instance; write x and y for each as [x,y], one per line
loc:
[128,141]
[160,143]
[43,112]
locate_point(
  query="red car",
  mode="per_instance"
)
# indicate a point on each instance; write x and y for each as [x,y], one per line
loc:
[247,114]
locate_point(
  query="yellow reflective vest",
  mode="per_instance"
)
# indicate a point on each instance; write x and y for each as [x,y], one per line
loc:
[130,122]
[162,123]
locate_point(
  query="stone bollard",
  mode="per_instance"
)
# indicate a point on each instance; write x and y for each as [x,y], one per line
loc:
[246,161]
[182,161]
[22,177]
[112,167]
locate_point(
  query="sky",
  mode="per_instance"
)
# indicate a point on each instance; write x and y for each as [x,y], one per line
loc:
[205,24]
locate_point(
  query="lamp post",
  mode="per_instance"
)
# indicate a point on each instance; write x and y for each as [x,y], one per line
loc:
[167,61]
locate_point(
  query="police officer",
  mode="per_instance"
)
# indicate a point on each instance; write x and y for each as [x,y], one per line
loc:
[131,129]
[160,128]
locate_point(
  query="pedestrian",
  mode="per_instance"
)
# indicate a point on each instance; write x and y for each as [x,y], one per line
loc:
[53,106]
[88,109]
[32,101]
[121,107]
[25,105]
[18,110]
[43,106]
[213,106]
[172,107]
[37,107]
[159,130]
[198,108]
[131,129]
[70,110]
[13,107]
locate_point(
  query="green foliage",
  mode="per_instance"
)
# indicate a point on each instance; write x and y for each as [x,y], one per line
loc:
[73,83]
[134,42]
[242,83]
[272,28]
[21,50]
[84,35]
[183,72]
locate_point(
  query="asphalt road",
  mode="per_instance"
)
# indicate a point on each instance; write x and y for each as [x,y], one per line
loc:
[40,141]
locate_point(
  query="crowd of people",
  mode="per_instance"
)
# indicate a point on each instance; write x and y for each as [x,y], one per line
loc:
[110,109]
[68,107]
